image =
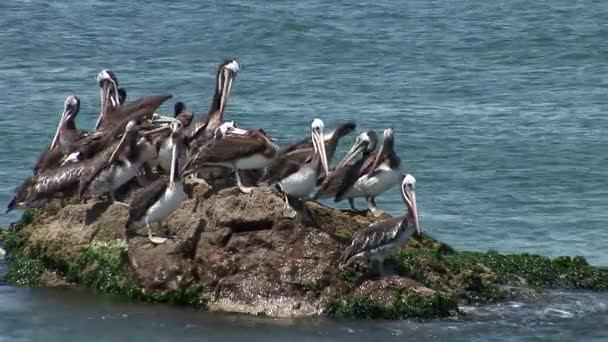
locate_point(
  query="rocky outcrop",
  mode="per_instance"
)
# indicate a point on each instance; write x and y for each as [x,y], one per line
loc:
[235,252]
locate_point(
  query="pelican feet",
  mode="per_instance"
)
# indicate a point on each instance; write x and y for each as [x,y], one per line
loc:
[376,212]
[200,181]
[155,240]
[288,211]
[371,205]
[245,189]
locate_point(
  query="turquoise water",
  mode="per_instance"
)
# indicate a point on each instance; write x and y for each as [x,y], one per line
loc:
[498,108]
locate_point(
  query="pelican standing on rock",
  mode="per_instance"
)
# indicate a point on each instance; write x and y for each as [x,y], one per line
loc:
[382,174]
[297,177]
[203,128]
[382,238]
[345,174]
[161,198]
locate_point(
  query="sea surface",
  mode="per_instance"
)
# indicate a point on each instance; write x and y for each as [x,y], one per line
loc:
[500,110]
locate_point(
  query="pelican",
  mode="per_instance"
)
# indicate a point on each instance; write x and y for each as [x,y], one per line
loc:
[296,172]
[114,112]
[234,148]
[376,177]
[331,140]
[65,179]
[109,95]
[205,126]
[382,238]
[123,164]
[161,198]
[345,174]
[65,135]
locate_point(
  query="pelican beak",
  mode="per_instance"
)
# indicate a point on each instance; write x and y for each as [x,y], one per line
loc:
[157,118]
[55,140]
[352,153]
[318,135]
[410,198]
[115,100]
[226,87]
[238,131]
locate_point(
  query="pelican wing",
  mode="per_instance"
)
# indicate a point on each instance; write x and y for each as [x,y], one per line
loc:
[144,198]
[374,236]
[226,150]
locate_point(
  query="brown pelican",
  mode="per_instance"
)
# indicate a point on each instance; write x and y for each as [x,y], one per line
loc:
[382,238]
[376,176]
[122,165]
[37,189]
[297,176]
[114,112]
[65,135]
[109,98]
[345,173]
[62,180]
[161,198]
[236,149]
[331,140]
[204,127]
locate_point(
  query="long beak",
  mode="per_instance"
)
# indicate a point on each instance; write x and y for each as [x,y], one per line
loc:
[174,165]
[119,146]
[116,99]
[321,150]
[377,159]
[238,131]
[351,154]
[104,95]
[226,87]
[410,197]
[157,118]
[152,131]
[56,137]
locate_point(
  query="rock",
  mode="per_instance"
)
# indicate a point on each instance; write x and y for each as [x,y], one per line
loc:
[235,252]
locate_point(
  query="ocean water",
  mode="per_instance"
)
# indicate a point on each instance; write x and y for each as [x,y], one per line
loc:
[498,108]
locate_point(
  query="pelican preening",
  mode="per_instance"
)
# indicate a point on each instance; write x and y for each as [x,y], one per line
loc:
[131,141]
[377,174]
[202,128]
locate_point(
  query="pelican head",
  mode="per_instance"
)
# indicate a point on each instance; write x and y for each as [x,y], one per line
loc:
[318,142]
[408,191]
[131,127]
[71,106]
[109,87]
[228,128]
[365,142]
[226,74]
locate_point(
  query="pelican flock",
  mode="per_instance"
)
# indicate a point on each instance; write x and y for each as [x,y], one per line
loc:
[132,143]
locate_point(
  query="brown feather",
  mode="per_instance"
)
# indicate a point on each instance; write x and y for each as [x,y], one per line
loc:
[373,236]
[227,149]
[144,198]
